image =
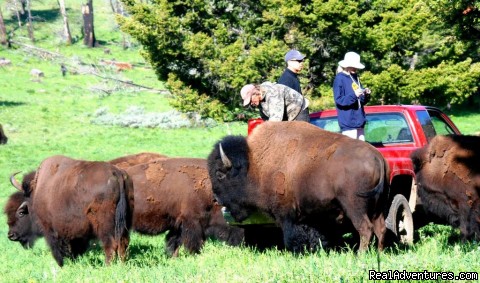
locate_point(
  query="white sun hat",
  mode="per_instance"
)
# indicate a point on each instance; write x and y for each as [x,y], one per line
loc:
[351,59]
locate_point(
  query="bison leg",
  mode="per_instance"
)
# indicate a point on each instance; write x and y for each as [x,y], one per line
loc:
[173,242]
[112,246]
[474,220]
[380,230]
[58,247]
[122,247]
[79,246]
[109,248]
[363,226]
[192,236]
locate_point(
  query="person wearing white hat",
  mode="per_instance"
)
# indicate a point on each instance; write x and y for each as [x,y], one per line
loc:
[350,97]
[276,102]
[294,60]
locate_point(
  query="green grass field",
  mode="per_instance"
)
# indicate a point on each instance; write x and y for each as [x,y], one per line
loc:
[53,115]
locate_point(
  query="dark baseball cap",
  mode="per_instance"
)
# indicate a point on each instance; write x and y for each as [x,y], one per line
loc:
[294,55]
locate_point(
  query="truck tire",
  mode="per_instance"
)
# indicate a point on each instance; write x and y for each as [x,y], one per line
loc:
[400,220]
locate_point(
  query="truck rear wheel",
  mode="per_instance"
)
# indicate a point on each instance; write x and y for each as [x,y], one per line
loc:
[400,220]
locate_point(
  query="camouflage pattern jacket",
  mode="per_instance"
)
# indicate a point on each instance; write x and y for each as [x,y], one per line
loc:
[278,99]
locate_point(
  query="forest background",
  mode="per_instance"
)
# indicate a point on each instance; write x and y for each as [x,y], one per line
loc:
[415,52]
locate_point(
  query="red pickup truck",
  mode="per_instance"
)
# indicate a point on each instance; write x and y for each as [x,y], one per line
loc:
[396,131]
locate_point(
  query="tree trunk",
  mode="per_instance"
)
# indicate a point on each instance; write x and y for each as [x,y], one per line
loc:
[17,12]
[3,30]
[89,34]
[29,23]
[66,28]
[119,10]
[112,5]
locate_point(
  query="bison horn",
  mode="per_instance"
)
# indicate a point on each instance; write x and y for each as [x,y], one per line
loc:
[14,181]
[23,205]
[226,162]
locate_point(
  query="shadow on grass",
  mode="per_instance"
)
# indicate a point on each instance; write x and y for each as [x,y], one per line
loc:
[95,255]
[11,103]
[50,15]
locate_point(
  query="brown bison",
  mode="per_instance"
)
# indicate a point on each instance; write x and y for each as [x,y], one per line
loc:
[175,195]
[127,161]
[303,177]
[3,137]
[448,181]
[217,227]
[71,202]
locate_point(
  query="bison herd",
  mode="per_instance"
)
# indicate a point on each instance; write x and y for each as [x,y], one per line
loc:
[316,185]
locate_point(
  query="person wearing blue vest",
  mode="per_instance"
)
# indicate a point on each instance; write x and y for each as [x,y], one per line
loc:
[350,97]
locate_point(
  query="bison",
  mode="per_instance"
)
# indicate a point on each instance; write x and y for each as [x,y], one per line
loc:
[71,202]
[448,181]
[304,178]
[127,161]
[175,195]
[217,227]
[3,137]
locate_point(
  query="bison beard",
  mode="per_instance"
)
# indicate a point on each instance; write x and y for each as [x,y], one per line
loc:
[447,175]
[303,177]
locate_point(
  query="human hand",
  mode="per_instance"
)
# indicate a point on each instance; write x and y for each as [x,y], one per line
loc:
[367,91]
[358,92]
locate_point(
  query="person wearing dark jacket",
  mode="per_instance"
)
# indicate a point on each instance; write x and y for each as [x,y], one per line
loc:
[350,97]
[294,60]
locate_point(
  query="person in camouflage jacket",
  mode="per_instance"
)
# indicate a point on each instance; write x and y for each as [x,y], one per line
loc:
[276,102]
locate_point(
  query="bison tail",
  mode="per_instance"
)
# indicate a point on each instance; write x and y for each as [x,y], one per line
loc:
[382,183]
[122,210]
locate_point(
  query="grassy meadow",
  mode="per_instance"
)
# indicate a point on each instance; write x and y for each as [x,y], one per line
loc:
[55,115]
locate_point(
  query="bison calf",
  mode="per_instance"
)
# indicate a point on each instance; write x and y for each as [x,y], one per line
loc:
[448,181]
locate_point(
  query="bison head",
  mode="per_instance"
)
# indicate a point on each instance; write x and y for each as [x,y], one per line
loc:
[21,226]
[228,167]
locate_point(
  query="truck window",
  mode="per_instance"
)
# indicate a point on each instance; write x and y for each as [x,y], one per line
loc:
[440,125]
[387,128]
[427,125]
[381,128]
[330,124]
